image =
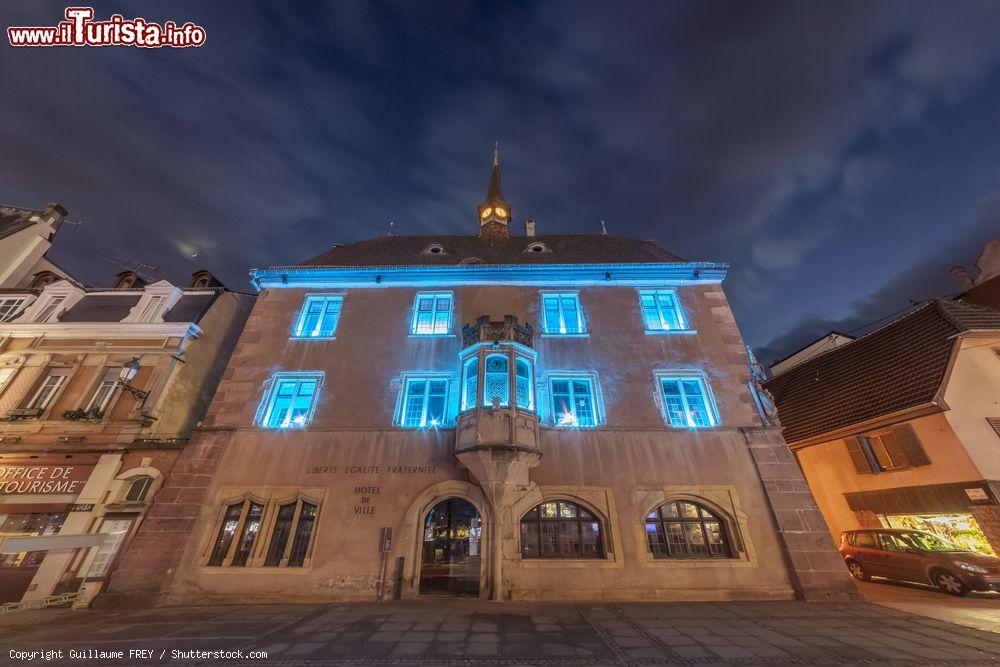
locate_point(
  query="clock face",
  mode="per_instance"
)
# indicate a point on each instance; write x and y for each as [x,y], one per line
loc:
[486,213]
[501,213]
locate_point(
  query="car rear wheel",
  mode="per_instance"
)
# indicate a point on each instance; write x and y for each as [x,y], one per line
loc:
[857,571]
[950,584]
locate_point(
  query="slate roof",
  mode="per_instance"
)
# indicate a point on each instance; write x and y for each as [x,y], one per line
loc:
[898,366]
[13,219]
[190,307]
[101,308]
[985,294]
[565,249]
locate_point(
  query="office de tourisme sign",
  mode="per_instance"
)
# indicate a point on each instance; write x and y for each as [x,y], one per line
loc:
[27,479]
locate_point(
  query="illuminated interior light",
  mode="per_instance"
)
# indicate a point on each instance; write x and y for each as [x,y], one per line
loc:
[568,419]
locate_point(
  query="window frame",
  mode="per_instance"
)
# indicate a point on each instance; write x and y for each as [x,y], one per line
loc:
[11,307]
[539,520]
[662,522]
[49,309]
[505,399]
[680,315]
[711,409]
[597,400]
[270,395]
[258,553]
[303,314]
[61,372]
[399,419]
[112,392]
[434,297]
[146,480]
[559,295]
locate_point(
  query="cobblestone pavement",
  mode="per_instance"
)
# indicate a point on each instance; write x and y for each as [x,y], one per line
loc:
[476,632]
[978,610]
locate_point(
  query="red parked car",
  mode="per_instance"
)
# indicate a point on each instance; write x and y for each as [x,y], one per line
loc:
[919,556]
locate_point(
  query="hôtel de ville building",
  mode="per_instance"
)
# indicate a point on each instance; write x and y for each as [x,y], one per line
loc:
[505,415]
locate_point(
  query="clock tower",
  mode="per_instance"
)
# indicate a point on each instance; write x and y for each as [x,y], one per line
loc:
[494,212]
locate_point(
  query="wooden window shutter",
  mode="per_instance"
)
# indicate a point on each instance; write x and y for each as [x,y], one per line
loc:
[995,423]
[858,457]
[905,441]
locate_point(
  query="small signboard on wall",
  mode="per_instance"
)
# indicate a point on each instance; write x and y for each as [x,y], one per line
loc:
[386,544]
[977,494]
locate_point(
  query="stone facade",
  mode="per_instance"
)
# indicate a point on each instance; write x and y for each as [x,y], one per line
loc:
[406,416]
[101,449]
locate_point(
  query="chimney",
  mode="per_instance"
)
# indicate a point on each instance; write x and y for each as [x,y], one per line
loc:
[529,227]
[54,213]
[962,276]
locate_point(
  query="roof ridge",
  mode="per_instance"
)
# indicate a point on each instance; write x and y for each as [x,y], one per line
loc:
[914,308]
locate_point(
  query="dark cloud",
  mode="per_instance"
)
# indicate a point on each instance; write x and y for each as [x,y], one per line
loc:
[787,138]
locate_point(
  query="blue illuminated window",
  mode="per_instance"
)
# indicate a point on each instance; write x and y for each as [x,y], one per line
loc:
[660,310]
[424,402]
[574,402]
[561,314]
[687,402]
[525,387]
[291,400]
[496,383]
[470,383]
[431,313]
[319,317]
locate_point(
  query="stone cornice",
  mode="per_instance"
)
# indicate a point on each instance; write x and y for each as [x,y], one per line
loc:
[100,330]
[665,274]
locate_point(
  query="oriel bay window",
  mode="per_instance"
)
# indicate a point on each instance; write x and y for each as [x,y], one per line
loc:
[290,400]
[425,401]
[683,529]
[496,383]
[268,533]
[319,317]
[499,371]
[561,529]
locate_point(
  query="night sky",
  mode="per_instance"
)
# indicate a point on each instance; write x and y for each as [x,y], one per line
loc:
[841,156]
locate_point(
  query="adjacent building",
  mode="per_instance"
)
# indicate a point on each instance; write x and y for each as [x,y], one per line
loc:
[528,417]
[901,427]
[99,391]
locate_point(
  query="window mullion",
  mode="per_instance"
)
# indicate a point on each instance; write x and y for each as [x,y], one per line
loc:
[287,552]
[237,534]
[427,400]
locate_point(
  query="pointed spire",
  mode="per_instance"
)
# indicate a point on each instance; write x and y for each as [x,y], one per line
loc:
[495,190]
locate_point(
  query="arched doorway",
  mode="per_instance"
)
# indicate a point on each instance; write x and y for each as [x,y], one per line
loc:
[452,549]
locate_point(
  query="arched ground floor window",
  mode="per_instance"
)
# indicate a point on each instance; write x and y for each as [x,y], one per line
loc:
[683,529]
[561,529]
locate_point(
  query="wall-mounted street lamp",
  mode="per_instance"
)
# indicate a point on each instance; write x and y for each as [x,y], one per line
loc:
[129,370]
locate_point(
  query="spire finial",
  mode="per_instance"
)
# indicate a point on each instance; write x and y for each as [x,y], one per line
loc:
[496,153]
[604,230]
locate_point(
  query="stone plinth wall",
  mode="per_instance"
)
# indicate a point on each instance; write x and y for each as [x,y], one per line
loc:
[148,565]
[816,568]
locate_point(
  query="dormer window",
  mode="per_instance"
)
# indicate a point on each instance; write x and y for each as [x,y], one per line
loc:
[469,261]
[434,249]
[537,247]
